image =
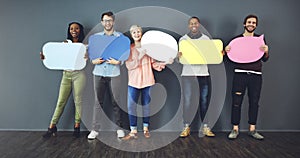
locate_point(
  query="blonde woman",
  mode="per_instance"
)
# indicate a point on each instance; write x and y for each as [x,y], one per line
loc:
[140,80]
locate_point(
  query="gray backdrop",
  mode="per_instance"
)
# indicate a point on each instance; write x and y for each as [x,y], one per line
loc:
[28,91]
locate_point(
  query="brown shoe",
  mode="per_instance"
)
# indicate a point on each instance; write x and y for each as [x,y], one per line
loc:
[130,136]
[146,134]
[186,132]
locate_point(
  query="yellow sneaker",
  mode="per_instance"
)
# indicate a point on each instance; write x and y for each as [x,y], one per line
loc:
[186,132]
[207,132]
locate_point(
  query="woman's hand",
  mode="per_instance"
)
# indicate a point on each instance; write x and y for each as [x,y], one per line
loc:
[42,56]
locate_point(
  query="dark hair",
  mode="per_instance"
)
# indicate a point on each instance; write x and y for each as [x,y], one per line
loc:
[251,16]
[194,17]
[81,33]
[109,13]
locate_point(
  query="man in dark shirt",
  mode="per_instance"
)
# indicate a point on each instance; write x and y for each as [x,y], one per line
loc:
[247,76]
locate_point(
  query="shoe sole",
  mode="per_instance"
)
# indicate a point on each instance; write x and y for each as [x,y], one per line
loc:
[209,135]
[184,136]
[232,138]
[89,138]
[120,136]
[256,138]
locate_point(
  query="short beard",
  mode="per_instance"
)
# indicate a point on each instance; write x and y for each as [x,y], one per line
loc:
[249,30]
[108,29]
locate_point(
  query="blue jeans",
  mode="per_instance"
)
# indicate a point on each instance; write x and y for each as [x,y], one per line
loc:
[133,96]
[188,83]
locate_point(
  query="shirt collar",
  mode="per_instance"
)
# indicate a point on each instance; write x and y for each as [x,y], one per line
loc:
[115,33]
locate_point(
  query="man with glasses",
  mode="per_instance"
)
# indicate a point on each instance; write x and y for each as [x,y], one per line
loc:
[104,72]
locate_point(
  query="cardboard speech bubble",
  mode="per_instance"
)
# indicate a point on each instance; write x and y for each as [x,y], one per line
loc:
[106,47]
[246,49]
[198,51]
[159,45]
[64,56]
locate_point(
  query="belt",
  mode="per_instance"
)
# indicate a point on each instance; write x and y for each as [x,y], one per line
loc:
[248,71]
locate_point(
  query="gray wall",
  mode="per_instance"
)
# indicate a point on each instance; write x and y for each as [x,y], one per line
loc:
[28,91]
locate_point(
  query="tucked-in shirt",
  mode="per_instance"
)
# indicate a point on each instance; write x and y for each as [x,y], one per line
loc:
[105,69]
[195,69]
[140,74]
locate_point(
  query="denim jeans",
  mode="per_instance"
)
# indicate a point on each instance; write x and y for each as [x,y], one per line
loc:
[241,82]
[101,84]
[133,97]
[70,80]
[188,88]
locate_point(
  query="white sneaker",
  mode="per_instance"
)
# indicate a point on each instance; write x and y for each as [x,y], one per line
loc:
[93,134]
[120,133]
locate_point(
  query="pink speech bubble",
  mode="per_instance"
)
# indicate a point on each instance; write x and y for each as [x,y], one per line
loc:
[246,49]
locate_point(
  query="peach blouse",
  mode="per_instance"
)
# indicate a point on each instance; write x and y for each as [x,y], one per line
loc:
[140,74]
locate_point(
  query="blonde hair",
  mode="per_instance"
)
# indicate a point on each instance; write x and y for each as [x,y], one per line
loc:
[134,27]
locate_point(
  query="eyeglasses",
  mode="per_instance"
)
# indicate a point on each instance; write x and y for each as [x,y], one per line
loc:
[108,21]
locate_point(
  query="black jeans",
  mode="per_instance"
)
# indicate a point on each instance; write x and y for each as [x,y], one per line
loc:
[241,82]
[101,84]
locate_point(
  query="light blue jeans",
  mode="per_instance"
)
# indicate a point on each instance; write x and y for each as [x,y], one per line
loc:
[133,96]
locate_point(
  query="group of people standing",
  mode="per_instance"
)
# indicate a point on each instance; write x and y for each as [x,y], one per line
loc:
[141,78]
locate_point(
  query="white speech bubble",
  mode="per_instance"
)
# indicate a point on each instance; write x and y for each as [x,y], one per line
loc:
[159,45]
[64,56]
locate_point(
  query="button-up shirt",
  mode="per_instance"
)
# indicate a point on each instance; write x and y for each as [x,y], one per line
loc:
[105,69]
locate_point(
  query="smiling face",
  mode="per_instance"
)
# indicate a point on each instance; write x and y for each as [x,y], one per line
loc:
[74,30]
[250,25]
[136,33]
[194,25]
[107,22]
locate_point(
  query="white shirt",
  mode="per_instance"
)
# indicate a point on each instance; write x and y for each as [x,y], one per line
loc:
[195,69]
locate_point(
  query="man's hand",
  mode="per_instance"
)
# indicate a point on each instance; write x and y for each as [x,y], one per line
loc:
[113,61]
[179,54]
[265,48]
[97,61]
[227,49]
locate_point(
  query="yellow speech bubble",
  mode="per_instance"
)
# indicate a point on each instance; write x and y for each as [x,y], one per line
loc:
[196,51]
